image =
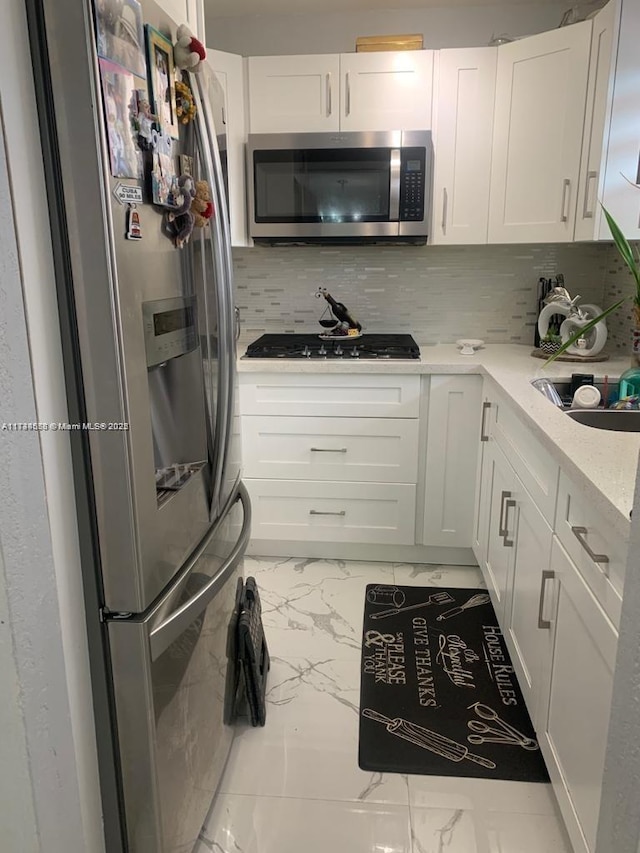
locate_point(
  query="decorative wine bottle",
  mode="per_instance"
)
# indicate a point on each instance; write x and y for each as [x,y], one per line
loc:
[340,311]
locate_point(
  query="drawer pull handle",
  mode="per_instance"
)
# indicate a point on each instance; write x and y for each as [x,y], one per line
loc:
[501,529]
[485,406]
[318,512]
[547,575]
[329,449]
[580,533]
[508,542]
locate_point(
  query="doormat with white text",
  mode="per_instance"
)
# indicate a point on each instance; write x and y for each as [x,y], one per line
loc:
[438,692]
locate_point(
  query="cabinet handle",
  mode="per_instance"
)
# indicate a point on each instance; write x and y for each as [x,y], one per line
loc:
[328,95]
[224,116]
[485,408]
[347,94]
[547,575]
[328,449]
[318,512]
[501,529]
[587,213]
[444,210]
[564,216]
[580,533]
[508,543]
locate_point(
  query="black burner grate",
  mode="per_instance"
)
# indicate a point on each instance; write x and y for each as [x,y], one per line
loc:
[311,346]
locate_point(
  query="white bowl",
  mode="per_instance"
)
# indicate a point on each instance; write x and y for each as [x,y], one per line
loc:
[469,345]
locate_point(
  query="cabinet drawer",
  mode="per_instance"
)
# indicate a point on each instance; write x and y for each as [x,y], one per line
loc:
[529,459]
[302,511]
[357,449]
[330,395]
[581,530]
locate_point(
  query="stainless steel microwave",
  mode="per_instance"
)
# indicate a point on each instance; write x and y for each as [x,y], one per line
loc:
[339,187]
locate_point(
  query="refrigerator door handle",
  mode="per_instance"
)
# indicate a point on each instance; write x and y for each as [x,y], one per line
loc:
[168,631]
[224,231]
[211,161]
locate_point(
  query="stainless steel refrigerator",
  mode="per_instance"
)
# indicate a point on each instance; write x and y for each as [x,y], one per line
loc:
[149,348]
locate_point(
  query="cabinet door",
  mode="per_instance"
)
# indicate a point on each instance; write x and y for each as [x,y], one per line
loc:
[390,90]
[190,12]
[452,450]
[229,71]
[623,153]
[289,94]
[464,101]
[541,87]
[498,564]
[578,700]
[528,639]
[597,118]
[480,538]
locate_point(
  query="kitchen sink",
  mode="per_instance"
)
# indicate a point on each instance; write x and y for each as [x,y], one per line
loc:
[615,419]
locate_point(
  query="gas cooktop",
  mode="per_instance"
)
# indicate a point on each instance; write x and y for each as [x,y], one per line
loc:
[311,346]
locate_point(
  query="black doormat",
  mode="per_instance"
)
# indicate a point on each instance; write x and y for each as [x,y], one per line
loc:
[438,693]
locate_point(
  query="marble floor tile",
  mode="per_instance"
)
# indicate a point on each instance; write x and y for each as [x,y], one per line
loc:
[309,745]
[489,795]
[518,833]
[440,830]
[295,784]
[239,824]
[314,608]
[421,574]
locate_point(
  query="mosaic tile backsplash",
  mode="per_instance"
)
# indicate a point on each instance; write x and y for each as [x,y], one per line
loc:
[618,283]
[437,293]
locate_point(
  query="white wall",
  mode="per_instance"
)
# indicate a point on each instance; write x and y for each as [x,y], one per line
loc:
[38,537]
[336,32]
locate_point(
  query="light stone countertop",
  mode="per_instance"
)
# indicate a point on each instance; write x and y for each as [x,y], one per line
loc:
[601,462]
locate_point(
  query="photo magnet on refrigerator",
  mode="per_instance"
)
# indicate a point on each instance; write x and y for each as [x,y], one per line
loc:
[134,231]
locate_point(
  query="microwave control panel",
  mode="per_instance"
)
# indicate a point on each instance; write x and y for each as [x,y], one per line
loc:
[412,184]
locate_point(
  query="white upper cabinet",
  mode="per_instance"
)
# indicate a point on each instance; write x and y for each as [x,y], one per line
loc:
[622,134]
[294,94]
[464,94]
[352,91]
[386,90]
[596,125]
[229,71]
[189,12]
[541,88]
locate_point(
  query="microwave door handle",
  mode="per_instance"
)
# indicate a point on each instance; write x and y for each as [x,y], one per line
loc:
[215,238]
[394,184]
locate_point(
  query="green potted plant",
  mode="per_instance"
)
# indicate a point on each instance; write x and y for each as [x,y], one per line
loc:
[551,342]
[633,263]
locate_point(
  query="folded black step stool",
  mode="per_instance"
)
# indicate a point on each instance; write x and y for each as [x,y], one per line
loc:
[253,654]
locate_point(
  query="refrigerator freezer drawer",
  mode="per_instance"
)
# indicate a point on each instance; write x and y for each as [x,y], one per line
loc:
[173,690]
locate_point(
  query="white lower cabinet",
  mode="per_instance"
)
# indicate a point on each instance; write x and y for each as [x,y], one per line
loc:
[557,598]
[577,699]
[528,537]
[331,459]
[299,510]
[450,476]
[500,484]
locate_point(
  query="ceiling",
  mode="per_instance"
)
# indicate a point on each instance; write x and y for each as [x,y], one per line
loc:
[240,8]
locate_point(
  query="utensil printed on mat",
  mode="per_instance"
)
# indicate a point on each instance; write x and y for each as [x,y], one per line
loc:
[425,738]
[436,598]
[505,733]
[474,601]
[387,595]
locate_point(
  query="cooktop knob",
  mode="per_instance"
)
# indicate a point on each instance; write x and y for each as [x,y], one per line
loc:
[338,350]
[355,353]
